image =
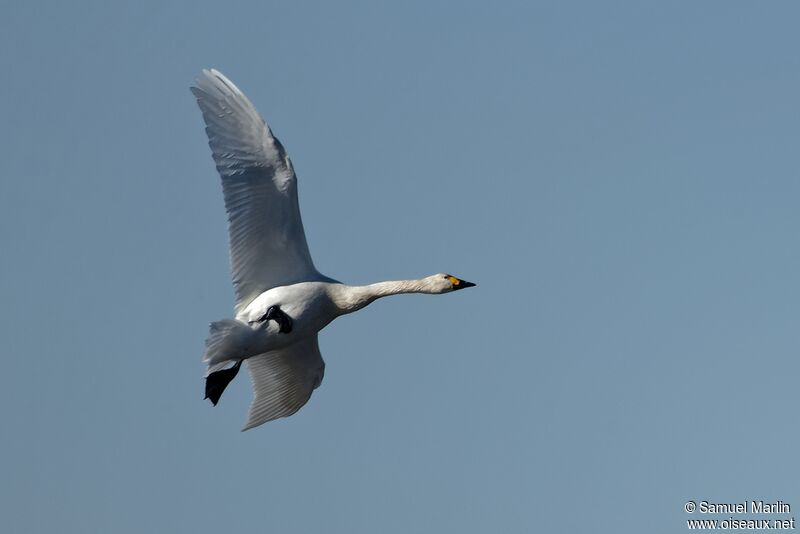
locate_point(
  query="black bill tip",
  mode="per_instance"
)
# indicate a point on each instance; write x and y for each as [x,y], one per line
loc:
[461,284]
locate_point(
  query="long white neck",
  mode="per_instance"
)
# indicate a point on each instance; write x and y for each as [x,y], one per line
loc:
[352,298]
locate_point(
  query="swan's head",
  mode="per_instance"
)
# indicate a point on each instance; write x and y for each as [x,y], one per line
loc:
[444,283]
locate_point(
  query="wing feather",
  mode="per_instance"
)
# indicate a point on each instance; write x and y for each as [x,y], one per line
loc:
[268,246]
[283,380]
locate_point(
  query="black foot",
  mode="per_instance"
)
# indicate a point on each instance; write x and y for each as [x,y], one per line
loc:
[217,381]
[274,313]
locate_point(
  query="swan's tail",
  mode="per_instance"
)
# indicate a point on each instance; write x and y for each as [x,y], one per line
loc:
[228,340]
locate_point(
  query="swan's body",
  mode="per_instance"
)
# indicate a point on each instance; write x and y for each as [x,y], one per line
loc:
[282,301]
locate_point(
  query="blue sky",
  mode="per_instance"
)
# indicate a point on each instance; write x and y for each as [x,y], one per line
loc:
[620,180]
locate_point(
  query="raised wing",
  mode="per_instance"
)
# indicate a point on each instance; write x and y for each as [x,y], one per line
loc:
[267,244]
[283,380]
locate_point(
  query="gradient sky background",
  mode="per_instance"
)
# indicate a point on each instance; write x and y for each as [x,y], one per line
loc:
[621,182]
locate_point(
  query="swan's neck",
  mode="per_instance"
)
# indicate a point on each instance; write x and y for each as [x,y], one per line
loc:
[352,298]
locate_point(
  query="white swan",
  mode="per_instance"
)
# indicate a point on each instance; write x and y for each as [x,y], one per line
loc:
[282,301]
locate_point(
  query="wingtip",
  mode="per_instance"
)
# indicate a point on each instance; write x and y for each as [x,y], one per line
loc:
[248,426]
[204,76]
[213,82]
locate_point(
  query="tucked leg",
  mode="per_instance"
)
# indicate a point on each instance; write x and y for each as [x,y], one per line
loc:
[274,313]
[217,381]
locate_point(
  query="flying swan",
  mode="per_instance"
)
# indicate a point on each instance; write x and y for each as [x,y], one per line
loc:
[282,301]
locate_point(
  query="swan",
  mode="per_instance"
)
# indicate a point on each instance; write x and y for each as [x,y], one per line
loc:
[282,301]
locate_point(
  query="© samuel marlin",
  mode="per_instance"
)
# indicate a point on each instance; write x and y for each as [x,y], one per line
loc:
[746,507]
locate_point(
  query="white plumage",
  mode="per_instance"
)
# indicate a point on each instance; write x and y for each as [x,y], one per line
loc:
[282,301]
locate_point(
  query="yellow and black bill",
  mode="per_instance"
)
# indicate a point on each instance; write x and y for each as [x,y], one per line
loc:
[458,283]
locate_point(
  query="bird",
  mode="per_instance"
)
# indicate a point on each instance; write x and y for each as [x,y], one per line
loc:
[282,300]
